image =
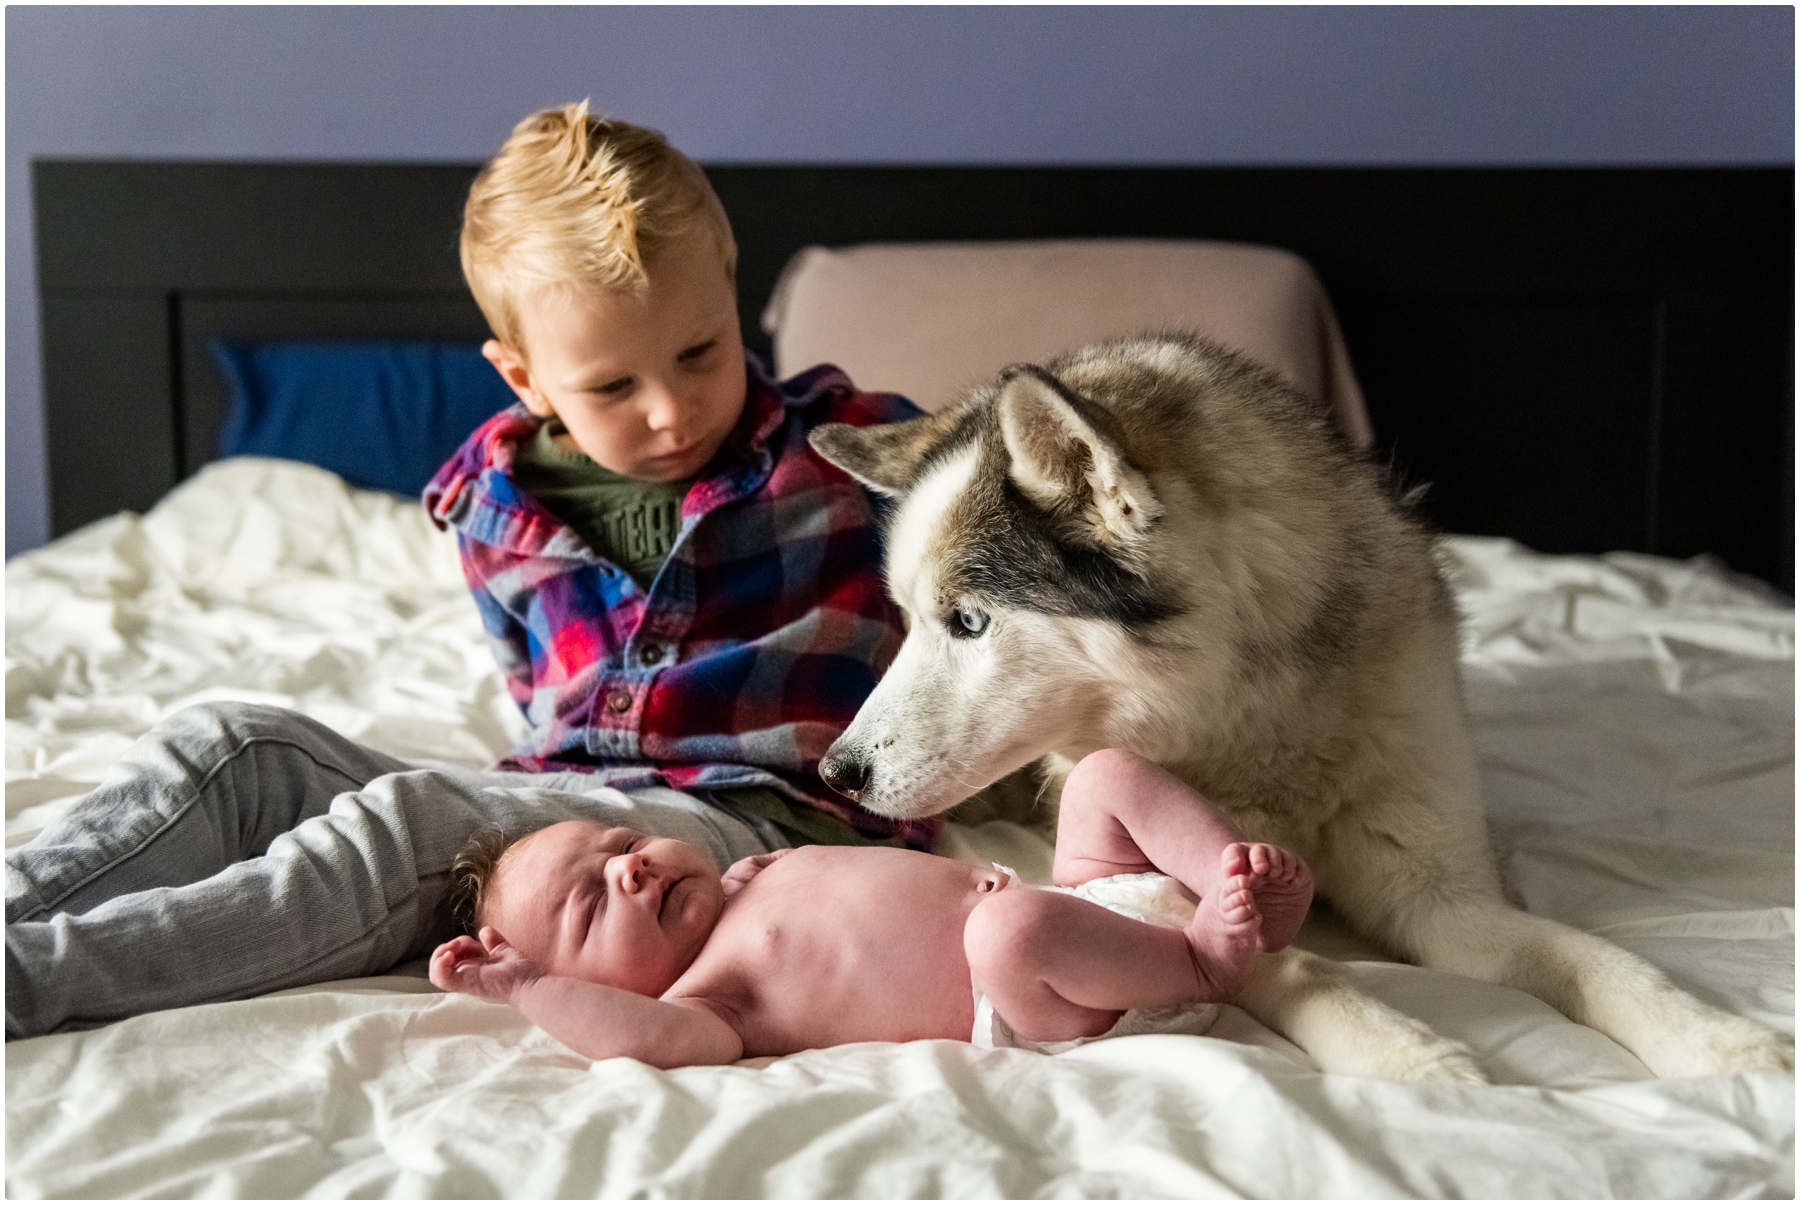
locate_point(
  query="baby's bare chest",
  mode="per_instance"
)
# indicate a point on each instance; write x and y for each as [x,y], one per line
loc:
[843,950]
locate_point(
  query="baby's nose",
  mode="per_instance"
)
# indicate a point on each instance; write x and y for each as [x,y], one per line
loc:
[633,871]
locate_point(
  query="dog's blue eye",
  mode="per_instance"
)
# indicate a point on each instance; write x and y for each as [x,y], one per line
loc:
[969,623]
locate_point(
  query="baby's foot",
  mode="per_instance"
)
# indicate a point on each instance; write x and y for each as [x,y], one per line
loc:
[1282,883]
[1222,938]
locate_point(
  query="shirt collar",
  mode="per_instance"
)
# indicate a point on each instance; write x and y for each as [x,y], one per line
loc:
[477,493]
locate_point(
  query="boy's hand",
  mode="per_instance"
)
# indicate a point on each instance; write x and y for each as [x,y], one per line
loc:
[488,968]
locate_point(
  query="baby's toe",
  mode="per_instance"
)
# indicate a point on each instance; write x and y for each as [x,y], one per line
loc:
[1237,903]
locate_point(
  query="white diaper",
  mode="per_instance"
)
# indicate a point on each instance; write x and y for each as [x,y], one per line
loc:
[1155,899]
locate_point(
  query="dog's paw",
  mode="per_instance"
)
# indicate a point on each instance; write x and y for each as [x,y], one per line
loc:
[1775,1053]
[1408,1051]
[1445,1061]
[1728,1046]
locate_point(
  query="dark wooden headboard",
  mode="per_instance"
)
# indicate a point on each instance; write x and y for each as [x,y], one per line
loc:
[1582,359]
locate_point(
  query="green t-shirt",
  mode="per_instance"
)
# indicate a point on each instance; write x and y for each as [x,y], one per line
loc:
[631,523]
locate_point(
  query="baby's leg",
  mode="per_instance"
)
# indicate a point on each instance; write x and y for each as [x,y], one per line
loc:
[1057,967]
[1124,814]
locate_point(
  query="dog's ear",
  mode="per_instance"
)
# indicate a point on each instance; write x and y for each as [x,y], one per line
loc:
[885,458]
[1064,458]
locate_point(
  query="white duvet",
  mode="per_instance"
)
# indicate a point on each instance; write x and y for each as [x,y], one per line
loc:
[1634,718]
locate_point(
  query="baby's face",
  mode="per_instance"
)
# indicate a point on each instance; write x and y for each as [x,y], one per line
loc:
[606,905]
[648,385]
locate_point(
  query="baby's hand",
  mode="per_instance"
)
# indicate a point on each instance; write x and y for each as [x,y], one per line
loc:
[740,872]
[488,968]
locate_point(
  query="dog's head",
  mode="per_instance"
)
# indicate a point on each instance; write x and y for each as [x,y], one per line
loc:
[1021,551]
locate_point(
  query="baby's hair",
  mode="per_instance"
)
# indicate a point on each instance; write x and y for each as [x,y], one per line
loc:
[472,873]
[574,200]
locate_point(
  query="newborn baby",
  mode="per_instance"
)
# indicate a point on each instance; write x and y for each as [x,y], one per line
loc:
[618,943]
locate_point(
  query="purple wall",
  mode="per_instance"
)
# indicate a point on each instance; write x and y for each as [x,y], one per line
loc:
[1271,85]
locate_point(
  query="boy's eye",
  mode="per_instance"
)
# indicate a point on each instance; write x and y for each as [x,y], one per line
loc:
[614,387]
[698,350]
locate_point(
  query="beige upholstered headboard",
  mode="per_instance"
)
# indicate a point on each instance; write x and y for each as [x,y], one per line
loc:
[928,319]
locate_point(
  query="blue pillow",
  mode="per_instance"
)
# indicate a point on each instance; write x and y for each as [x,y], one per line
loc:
[380,414]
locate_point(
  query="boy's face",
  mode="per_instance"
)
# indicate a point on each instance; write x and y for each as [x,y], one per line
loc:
[648,385]
[606,905]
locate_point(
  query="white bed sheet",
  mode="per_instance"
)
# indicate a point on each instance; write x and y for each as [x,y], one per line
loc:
[1634,719]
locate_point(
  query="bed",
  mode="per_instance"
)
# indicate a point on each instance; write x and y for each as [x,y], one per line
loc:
[1631,700]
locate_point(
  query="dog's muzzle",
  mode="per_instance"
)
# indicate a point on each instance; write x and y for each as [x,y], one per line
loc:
[845,773]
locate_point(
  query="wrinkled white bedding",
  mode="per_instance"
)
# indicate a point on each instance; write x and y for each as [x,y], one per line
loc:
[1634,718]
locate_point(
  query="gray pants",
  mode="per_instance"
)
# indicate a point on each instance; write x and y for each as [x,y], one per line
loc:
[237,850]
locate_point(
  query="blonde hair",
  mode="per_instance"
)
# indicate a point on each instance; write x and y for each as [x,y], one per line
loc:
[574,199]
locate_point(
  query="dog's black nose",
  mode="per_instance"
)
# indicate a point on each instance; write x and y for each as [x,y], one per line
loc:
[846,774]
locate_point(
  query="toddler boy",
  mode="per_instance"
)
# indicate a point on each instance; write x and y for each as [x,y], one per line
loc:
[686,602]
[680,591]
[621,944]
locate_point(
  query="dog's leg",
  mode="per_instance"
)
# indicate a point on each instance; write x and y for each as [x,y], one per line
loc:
[1595,983]
[1428,891]
[1316,1005]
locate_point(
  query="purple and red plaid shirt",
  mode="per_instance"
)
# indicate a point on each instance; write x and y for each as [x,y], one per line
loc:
[752,648]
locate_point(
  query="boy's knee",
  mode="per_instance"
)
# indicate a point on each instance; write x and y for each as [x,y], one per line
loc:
[230,719]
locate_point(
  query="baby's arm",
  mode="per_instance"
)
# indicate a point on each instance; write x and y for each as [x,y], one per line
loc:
[592,1019]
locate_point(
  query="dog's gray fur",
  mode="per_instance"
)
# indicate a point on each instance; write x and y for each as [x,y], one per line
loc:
[1154,544]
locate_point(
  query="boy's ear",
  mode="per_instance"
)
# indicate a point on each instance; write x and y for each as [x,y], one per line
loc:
[512,369]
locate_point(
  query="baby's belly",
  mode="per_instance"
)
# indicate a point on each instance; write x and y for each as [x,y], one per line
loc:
[875,958]
[908,999]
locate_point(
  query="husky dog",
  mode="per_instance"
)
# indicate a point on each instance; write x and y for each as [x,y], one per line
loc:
[1157,545]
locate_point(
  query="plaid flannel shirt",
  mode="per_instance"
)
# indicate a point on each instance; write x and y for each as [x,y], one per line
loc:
[751,649]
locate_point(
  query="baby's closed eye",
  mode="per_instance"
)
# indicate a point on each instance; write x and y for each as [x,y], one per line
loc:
[586,909]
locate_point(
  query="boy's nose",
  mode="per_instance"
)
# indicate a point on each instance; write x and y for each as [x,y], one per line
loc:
[664,411]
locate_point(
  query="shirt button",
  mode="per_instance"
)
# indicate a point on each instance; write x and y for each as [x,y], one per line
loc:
[620,701]
[650,654]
